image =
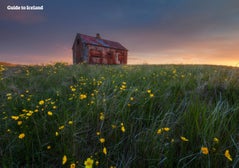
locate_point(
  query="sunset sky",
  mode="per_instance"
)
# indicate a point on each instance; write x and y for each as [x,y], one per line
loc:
[154,31]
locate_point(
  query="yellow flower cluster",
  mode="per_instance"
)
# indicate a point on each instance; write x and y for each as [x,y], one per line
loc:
[102,116]
[150,93]
[83,96]
[122,127]
[47,110]
[123,86]
[161,130]
[9,96]
[73,89]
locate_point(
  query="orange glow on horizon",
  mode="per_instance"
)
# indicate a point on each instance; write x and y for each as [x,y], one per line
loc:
[187,59]
[144,58]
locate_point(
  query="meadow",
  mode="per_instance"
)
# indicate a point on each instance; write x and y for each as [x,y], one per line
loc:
[89,116]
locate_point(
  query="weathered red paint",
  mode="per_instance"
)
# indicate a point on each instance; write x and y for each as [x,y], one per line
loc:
[95,50]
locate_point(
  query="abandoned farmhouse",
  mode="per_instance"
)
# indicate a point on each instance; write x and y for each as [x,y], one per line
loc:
[95,50]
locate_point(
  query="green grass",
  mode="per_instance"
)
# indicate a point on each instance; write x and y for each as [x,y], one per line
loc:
[89,102]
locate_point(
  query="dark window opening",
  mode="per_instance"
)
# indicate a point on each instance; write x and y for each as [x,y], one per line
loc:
[78,41]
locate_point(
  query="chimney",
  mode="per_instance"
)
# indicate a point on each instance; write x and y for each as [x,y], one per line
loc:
[98,36]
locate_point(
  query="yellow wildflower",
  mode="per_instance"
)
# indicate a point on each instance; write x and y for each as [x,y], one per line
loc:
[29,113]
[73,165]
[49,113]
[184,139]
[73,89]
[216,140]
[48,147]
[151,95]
[64,160]
[83,96]
[15,117]
[57,133]
[122,127]
[102,116]
[21,136]
[41,102]
[61,127]
[123,87]
[159,131]
[8,94]
[227,155]
[89,163]
[105,150]
[98,133]
[19,123]
[24,110]
[166,129]
[102,140]
[70,122]
[9,98]
[204,150]
[97,163]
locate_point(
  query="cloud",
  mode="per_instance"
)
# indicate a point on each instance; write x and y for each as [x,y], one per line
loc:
[159,30]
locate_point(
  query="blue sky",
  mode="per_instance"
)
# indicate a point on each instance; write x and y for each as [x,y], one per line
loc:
[154,31]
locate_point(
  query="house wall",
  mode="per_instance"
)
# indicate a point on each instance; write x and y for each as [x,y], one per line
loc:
[102,55]
[97,54]
[77,51]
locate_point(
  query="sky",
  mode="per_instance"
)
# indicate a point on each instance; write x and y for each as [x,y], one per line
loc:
[153,31]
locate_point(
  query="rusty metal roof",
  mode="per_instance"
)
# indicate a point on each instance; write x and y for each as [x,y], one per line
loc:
[100,42]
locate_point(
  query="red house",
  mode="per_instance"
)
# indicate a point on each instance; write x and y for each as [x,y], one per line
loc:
[95,50]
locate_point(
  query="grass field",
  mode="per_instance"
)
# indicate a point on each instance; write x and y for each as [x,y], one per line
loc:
[119,116]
